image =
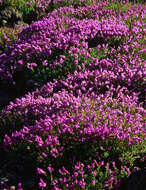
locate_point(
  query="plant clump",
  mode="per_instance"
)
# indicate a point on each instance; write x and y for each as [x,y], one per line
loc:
[78,118]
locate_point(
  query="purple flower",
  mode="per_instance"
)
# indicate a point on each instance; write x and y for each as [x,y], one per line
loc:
[42,184]
[50,169]
[45,63]
[94,182]
[7,140]
[40,171]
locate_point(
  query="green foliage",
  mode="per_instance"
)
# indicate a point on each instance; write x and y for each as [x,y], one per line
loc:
[142,55]
[72,2]
[137,1]
[133,152]
[117,6]
[8,36]
[43,73]
[20,5]
[144,20]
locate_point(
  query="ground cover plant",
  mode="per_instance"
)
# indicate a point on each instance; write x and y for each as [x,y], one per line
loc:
[83,126]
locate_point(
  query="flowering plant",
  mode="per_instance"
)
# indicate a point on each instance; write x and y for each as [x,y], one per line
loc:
[85,124]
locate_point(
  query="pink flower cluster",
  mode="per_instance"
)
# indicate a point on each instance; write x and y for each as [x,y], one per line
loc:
[77,126]
[57,123]
[40,40]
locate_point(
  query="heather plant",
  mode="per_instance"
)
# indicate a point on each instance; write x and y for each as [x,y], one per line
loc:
[60,42]
[84,128]
[68,128]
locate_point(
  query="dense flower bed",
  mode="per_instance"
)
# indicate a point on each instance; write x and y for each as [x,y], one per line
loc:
[64,125]
[89,111]
[51,33]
